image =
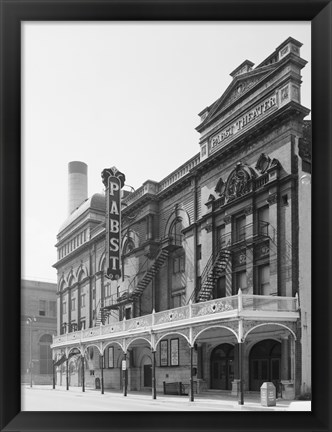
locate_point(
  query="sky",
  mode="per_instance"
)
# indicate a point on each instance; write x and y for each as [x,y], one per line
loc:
[124,94]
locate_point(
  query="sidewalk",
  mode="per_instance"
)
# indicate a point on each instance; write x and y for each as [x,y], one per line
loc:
[214,399]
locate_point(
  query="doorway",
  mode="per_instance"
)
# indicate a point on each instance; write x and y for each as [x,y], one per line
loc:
[222,367]
[147,372]
[264,363]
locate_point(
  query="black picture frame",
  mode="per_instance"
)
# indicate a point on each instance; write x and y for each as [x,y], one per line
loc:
[163,352]
[319,12]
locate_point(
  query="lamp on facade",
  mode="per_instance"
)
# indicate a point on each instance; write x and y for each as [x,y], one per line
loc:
[30,321]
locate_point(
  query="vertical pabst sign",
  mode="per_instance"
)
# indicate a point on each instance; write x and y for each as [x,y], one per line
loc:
[113,181]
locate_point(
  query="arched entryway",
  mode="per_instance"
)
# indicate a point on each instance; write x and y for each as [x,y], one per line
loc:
[264,363]
[222,367]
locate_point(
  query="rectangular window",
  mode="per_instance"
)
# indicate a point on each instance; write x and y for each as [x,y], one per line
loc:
[220,288]
[52,308]
[128,313]
[64,307]
[110,357]
[179,264]
[73,303]
[174,352]
[164,353]
[240,228]
[263,220]
[82,325]
[264,279]
[240,281]
[221,238]
[42,307]
[82,300]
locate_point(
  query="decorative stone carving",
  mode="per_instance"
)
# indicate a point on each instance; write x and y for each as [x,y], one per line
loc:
[284,50]
[220,188]
[207,308]
[228,219]
[284,93]
[248,210]
[272,199]
[239,182]
[263,163]
[171,315]
[296,93]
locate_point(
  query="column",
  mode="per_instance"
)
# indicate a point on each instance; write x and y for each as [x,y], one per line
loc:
[67,374]
[154,393]
[199,362]
[274,242]
[53,375]
[284,359]
[191,374]
[125,376]
[102,373]
[83,374]
[228,271]
[241,395]
[69,310]
[249,251]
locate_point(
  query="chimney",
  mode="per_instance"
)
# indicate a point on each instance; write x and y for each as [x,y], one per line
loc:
[77,184]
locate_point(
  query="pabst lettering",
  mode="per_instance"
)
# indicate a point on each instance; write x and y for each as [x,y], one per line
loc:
[113,228]
[243,121]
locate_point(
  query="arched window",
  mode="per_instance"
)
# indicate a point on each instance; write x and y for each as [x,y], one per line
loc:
[45,354]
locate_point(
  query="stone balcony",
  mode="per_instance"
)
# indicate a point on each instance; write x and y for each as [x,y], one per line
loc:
[241,306]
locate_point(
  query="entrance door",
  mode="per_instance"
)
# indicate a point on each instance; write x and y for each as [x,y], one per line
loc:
[265,359]
[147,376]
[222,367]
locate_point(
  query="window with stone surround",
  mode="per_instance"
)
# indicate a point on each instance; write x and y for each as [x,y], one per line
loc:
[42,307]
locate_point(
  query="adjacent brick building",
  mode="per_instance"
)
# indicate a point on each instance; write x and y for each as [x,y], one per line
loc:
[215,258]
[38,326]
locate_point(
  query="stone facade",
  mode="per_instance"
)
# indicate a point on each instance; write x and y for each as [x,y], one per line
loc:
[222,226]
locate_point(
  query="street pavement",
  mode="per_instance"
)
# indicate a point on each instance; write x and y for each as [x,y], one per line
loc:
[45,398]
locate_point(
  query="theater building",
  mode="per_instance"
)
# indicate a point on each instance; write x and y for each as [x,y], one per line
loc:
[201,280]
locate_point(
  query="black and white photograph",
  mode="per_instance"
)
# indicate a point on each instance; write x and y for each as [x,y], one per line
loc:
[166,228]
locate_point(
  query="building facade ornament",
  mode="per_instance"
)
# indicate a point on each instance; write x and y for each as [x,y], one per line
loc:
[272,199]
[239,182]
[228,219]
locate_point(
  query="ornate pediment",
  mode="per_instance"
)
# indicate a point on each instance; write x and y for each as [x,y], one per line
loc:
[240,85]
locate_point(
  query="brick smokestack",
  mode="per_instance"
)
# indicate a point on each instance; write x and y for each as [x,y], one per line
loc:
[77,184]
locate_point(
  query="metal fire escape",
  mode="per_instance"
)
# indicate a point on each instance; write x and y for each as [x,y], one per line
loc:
[141,280]
[227,246]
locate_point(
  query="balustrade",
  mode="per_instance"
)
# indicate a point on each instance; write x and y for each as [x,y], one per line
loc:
[236,306]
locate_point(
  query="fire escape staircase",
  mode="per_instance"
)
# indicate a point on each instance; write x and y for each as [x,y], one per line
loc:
[137,286]
[228,246]
[149,275]
[215,268]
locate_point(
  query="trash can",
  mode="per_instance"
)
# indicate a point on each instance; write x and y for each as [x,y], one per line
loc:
[97,382]
[268,394]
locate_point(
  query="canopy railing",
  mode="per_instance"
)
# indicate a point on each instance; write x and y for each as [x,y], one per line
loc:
[227,307]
